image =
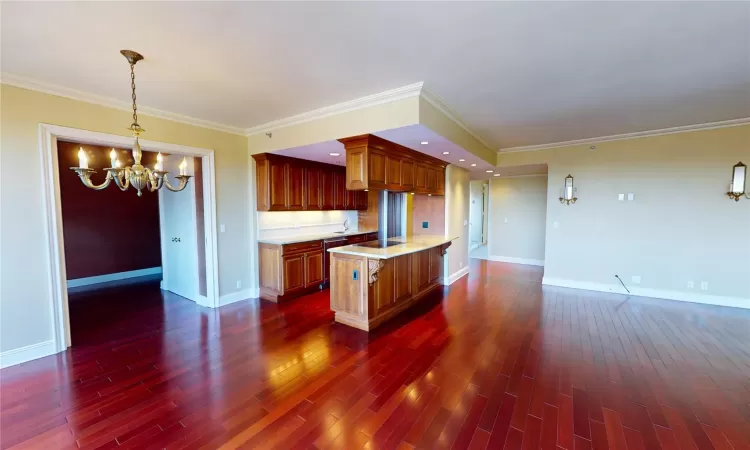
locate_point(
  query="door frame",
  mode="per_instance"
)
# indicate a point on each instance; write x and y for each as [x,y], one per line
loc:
[56,276]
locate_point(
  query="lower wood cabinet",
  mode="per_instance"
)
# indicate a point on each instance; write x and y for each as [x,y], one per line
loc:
[290,270]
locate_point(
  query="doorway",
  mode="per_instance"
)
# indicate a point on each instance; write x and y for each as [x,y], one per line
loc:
[478,205]
[50,135]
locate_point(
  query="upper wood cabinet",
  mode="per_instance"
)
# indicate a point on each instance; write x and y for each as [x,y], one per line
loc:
[291,184]
[375,163]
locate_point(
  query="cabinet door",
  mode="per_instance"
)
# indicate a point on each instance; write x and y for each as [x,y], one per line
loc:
[393,172]
[377,168]
[382,290]
[263,182]
[339,191]
[295,187]
[402,277]
[294,273]
[362,200]
[407,174]
[278,186]
[440,182]
[328,186]
[423,271]
[432,179]
[436,263]
[350,200]
[314,191]
[313,269]
[420,178]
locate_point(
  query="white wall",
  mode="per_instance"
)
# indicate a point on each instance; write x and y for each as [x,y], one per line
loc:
[680,227]
[517,225]
[456,220]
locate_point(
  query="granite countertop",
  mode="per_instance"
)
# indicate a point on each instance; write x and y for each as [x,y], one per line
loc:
[311,237]
[410,245]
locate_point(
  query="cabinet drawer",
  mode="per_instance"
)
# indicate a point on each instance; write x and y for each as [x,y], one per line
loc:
[300,247]
[356,239]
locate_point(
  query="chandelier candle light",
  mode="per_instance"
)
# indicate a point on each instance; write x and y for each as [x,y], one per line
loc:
[739,181]
[138,176]
[568,193]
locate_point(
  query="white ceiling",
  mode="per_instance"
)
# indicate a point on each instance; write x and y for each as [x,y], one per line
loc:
[519,73]
[412,137]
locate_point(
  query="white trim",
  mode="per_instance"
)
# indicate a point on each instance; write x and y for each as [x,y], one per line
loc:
[514,260]
[98,279]
[521,176]
[237,296]
[28,353]
[392,95]
[735,302]
[109,102]
[447,281]
[56,277]
[435,100]
[637,134]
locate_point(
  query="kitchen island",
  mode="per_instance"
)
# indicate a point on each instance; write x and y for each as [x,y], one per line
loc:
[370,285]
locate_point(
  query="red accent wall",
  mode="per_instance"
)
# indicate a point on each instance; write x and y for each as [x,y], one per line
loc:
[106,231]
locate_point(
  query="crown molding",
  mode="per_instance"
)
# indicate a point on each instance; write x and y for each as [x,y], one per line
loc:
[74,94]
[411,90]
[440,104]
[637,134]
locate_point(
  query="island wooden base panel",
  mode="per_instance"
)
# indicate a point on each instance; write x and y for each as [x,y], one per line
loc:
[357,321]
[493,361]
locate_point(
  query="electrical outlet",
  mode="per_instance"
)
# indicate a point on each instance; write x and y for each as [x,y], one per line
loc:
[506,220]
[636,279]
[239,284]
[556,224]
[621,197]
[222,228]
[630,196]
[355,275]
[425,224]
[466,222]
[691,284]
[704,285]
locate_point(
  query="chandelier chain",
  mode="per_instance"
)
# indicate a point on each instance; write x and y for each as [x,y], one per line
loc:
[135,125]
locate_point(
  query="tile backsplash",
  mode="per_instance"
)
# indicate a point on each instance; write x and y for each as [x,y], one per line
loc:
[278,224]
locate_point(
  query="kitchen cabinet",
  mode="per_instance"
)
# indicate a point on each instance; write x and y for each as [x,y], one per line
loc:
[292,184]
[290,270]
[375,163]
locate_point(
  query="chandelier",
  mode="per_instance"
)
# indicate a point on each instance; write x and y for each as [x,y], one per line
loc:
[138,176]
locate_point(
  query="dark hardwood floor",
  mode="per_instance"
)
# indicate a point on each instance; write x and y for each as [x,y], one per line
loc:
[495,361]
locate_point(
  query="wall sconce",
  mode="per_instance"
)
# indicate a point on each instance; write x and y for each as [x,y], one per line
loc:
[738,183]
[568,193]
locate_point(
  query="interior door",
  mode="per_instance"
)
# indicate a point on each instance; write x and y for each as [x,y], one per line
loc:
[179,244]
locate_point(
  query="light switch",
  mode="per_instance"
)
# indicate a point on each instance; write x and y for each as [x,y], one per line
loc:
[466,222]
[222,228]
[621,197]
[556,224]
[630,196]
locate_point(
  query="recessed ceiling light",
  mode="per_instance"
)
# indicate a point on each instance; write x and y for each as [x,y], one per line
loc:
[461,160]
[489,171]
[424,142]
[446,153]
[335,154]
[496,175]
[473,165]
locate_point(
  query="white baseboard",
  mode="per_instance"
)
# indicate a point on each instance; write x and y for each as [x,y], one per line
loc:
[510,259]
[98,279]
[734,302]
[238,296]
[447,281]
[28,353]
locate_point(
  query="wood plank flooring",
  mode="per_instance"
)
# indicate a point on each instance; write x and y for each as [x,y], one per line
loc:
[494,361]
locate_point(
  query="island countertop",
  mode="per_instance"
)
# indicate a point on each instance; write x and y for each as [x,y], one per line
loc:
[410,244]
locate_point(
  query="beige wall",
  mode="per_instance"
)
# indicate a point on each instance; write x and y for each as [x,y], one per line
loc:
[25,317]
[457,218]
[680,227]
[430,209]
[517,222]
